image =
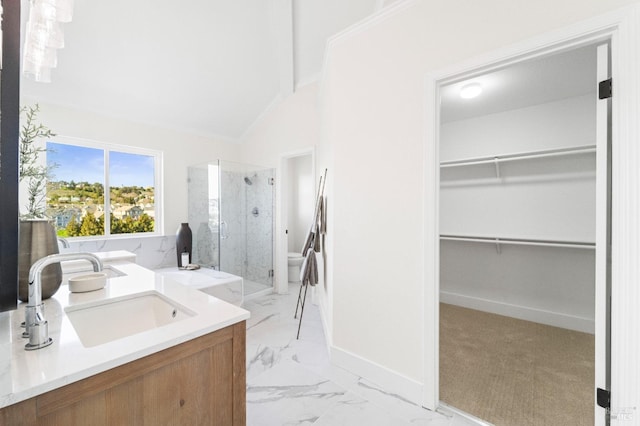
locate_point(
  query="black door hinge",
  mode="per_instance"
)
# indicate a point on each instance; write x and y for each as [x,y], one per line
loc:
[603,397]
[605,89]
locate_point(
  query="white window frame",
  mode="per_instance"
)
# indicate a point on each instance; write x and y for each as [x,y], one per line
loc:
[157,179]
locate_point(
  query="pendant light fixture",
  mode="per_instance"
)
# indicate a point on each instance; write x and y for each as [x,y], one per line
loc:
[44,36]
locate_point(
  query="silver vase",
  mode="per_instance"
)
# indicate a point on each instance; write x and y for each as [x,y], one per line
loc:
[37,239]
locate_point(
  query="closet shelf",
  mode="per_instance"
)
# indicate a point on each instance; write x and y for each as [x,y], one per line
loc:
[585,149]
[516,241]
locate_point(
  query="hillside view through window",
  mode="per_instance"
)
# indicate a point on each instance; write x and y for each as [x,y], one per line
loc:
[100,192]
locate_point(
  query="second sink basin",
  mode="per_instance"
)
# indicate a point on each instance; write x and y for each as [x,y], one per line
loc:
[114,319]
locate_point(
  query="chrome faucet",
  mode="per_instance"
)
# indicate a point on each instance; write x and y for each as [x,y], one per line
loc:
[37,327]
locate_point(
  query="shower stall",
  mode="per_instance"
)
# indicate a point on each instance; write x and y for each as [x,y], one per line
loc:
[232,220]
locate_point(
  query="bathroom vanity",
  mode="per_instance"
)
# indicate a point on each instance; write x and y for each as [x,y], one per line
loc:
[189,369]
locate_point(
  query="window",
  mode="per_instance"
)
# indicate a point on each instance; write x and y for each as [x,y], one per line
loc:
[98,189]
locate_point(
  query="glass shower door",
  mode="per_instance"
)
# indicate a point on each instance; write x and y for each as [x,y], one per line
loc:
[246,224]
[203,200]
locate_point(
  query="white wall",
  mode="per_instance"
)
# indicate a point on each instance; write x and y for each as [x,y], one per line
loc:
[179,149]
[561,124]
[290,125]
[544,199]
[548,285]
[373,127]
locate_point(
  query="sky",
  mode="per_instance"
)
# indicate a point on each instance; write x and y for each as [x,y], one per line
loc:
[82,164]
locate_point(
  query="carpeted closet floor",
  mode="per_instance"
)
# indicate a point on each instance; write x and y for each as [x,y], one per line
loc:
[513,372]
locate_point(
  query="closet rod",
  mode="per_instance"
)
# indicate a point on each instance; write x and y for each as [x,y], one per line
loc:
[515,241]
[520,156]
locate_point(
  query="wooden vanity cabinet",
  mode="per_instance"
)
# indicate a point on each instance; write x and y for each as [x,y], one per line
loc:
[199,382]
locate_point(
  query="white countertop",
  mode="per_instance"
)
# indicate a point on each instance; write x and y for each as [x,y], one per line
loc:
[199,278]
[25,374]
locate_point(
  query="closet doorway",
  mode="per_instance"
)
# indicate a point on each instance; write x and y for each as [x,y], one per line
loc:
[524,239]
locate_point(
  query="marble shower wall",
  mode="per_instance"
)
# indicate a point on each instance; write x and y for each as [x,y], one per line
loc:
[260,199]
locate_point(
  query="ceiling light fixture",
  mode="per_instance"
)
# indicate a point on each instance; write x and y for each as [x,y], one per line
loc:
[44,36]
[470,91]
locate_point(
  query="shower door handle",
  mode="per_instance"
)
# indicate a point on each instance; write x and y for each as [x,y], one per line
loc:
[223,230]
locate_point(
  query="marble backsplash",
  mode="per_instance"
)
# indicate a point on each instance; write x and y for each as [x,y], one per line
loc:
[151,252]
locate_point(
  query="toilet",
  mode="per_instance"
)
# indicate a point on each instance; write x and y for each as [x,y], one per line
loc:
[294,262]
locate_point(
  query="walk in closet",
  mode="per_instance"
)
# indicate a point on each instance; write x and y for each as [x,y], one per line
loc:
[518,207]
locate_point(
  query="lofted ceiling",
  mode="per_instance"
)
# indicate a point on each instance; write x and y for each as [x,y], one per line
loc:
[212,67]
[209,67]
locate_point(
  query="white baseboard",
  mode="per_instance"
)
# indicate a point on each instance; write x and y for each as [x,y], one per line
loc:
[391,381]
[324,318]
[555,319]
[451,411]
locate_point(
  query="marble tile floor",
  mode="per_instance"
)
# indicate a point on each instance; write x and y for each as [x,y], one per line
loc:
[291,382]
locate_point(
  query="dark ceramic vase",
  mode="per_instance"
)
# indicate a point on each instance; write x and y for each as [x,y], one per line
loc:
[37,239]
[183,243]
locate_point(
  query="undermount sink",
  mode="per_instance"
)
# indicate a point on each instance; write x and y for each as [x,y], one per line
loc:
[109,320]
